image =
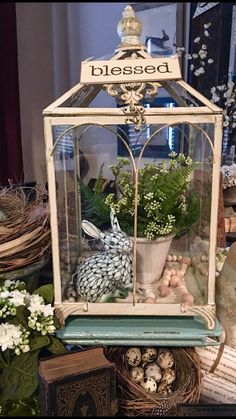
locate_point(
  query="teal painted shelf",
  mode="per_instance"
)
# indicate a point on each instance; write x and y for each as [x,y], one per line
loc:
[139,331]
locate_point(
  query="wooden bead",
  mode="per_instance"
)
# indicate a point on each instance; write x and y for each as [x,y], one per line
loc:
[187,298]
[179,258]
[180,273]
[186,260]
[165,281]
[184,267]
[169,258]
[149,300]
[175,280]
[163,290]
[149,294]
[174,258]
[167,272]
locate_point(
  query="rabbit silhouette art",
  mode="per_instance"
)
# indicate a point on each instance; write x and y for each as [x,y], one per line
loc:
[102,274]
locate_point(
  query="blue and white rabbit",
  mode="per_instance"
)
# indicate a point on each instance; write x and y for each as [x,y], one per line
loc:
[102,274]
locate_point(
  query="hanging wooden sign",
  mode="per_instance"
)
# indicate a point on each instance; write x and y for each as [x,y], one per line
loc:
[125,71]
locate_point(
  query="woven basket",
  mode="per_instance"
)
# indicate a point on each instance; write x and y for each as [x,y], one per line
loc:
[133,400]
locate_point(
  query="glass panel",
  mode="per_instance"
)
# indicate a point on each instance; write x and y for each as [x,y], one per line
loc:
[171,167]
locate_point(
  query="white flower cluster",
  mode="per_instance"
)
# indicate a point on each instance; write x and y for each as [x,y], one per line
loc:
[14,337]
[154,228]
[225,96]
[38,316]
[199,57]
[229,175]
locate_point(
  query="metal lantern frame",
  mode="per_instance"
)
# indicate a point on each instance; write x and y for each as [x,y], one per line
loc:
[72,109]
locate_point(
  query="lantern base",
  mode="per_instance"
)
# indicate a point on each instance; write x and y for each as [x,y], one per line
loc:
[139,331]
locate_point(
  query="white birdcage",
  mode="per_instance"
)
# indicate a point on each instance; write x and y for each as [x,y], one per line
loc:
[133,106]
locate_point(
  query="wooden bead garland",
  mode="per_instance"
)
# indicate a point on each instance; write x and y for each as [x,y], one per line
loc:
[174,278]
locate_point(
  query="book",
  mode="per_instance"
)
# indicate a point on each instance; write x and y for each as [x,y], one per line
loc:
[78,383]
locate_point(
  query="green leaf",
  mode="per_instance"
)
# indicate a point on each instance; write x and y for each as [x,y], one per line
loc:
[56,346]
[94,208]
[20,315]
[46,291]
[19,379]
[2,361]
[39,341]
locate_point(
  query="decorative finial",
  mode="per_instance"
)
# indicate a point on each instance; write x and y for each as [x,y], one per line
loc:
[129,29]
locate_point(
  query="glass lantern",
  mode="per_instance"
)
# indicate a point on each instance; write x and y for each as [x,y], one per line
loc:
[133,158]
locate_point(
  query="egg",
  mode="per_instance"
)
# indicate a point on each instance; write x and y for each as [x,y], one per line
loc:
[133,356]
[149,384]
[149,354]
[164,389]
[168,376]
[165,359]
[137,374]
[153,371]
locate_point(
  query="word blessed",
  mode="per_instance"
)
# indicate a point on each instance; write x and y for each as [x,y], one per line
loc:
[130,70]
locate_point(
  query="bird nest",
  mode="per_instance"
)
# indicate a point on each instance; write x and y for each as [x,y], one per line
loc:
[24,228]
[133,400]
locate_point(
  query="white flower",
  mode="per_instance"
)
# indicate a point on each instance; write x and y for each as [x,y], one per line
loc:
[8,283]
[35,303]
[202,54]
[197,39]
[47,310]
[204,47]
[195,55]
[192,67]
[210,61]
[10,336]
[4,294]
[206,33]
[207,25]
[17,297]
[201,70]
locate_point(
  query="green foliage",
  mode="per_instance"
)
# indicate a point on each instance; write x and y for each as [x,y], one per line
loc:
[27,329]
[46,291]
[166,203]
[94,208]
[19,380]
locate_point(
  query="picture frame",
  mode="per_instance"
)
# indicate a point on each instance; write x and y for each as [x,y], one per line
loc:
[162,26]
[232,53]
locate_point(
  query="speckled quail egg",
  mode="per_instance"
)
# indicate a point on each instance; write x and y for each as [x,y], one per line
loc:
[168,376]
[164,389]
[149,384]
[149,354]
[133,356]
[153,371]
[137,374]
[165,359]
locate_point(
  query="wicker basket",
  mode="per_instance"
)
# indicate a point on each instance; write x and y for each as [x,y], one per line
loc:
[133,400]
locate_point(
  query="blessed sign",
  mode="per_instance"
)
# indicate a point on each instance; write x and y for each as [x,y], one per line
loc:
[125,71]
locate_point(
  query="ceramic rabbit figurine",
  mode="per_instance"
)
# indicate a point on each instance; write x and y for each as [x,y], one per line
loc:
[102,274]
